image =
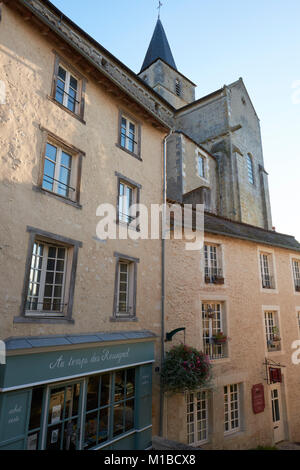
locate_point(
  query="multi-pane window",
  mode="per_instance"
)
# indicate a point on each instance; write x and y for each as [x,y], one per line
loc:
[67,89]
[124,285]
[97,410]
[231,408]
[213,326]
[296,273]
[126,199]
[82,414]
[197,417]
[201,166]
[46,288]
[213,270]
[125,288]
[267,273]
[128,138]
[272,331]
[57,171]
[250,169]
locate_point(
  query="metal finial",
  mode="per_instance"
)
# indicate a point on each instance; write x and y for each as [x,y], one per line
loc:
[159,7]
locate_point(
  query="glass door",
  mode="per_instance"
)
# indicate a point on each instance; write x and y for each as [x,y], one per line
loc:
[63,418]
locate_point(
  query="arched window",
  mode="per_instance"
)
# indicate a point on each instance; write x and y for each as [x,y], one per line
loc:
[250,169]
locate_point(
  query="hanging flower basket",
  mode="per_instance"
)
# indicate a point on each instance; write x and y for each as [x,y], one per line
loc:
[185,368]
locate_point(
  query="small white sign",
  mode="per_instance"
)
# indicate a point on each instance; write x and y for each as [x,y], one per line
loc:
[55,416]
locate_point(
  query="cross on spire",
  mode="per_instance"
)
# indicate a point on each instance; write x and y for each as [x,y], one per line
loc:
[159,7]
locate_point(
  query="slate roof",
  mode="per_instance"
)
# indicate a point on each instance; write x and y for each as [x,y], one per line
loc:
[159,48]
[32,342]
[230,228]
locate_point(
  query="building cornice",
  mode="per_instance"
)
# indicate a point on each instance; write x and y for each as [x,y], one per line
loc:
[110,67]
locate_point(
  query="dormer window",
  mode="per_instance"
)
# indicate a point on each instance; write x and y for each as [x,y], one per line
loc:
[177,87]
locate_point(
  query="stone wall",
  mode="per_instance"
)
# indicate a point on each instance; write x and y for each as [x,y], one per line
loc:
[244,302]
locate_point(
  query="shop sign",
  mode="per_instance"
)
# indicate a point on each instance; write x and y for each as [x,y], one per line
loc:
[258,398]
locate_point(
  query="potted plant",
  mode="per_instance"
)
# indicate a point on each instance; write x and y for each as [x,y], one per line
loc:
[219,338]
[276,336]
[185,368]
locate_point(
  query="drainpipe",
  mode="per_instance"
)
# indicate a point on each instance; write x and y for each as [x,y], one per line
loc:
[161,411]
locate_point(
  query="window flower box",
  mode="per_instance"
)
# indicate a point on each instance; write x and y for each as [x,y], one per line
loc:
[219,338]
[219,280]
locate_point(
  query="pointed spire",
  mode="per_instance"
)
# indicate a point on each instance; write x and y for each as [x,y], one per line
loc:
[159,48]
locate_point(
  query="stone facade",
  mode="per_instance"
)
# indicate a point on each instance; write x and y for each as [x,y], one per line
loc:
[162,78]
[28,118]
[220,131]
[244,303]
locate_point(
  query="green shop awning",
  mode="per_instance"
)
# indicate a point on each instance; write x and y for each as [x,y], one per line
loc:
[43,359]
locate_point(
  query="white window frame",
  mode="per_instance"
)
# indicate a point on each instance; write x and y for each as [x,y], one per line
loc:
[127,136]
[296,272]
[197,417]
[56,183]
[271,321]
[42,280]
[232,406]
[67,87]
[125,212]
[130,312]
[211,326]
[267,271]
[212,261]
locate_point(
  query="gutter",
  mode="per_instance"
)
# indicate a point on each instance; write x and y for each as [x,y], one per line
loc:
[162,352]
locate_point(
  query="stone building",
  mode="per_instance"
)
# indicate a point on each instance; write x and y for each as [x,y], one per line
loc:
[80,315]
[244,283]
[83,318]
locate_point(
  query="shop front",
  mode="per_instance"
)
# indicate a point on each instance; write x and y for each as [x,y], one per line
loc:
[77,392]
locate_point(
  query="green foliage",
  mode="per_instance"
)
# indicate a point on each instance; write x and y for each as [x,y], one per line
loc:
[185,368]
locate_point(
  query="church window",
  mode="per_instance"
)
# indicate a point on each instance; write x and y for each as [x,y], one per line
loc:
[250,169]
[177,87]
[201,166]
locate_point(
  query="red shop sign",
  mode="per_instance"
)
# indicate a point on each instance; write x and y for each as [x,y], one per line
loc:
[258,398]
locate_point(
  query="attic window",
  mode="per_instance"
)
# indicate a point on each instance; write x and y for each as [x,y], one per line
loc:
[177,87]
[243,100]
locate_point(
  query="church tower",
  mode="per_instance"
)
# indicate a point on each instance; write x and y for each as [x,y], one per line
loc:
[160,72]
[230,178]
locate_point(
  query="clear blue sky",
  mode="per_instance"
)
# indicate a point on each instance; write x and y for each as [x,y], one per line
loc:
[214,42]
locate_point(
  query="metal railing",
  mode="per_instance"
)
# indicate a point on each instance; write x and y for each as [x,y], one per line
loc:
[268,282]
[213,350]
[123,217]
[213,275]
[60,183]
